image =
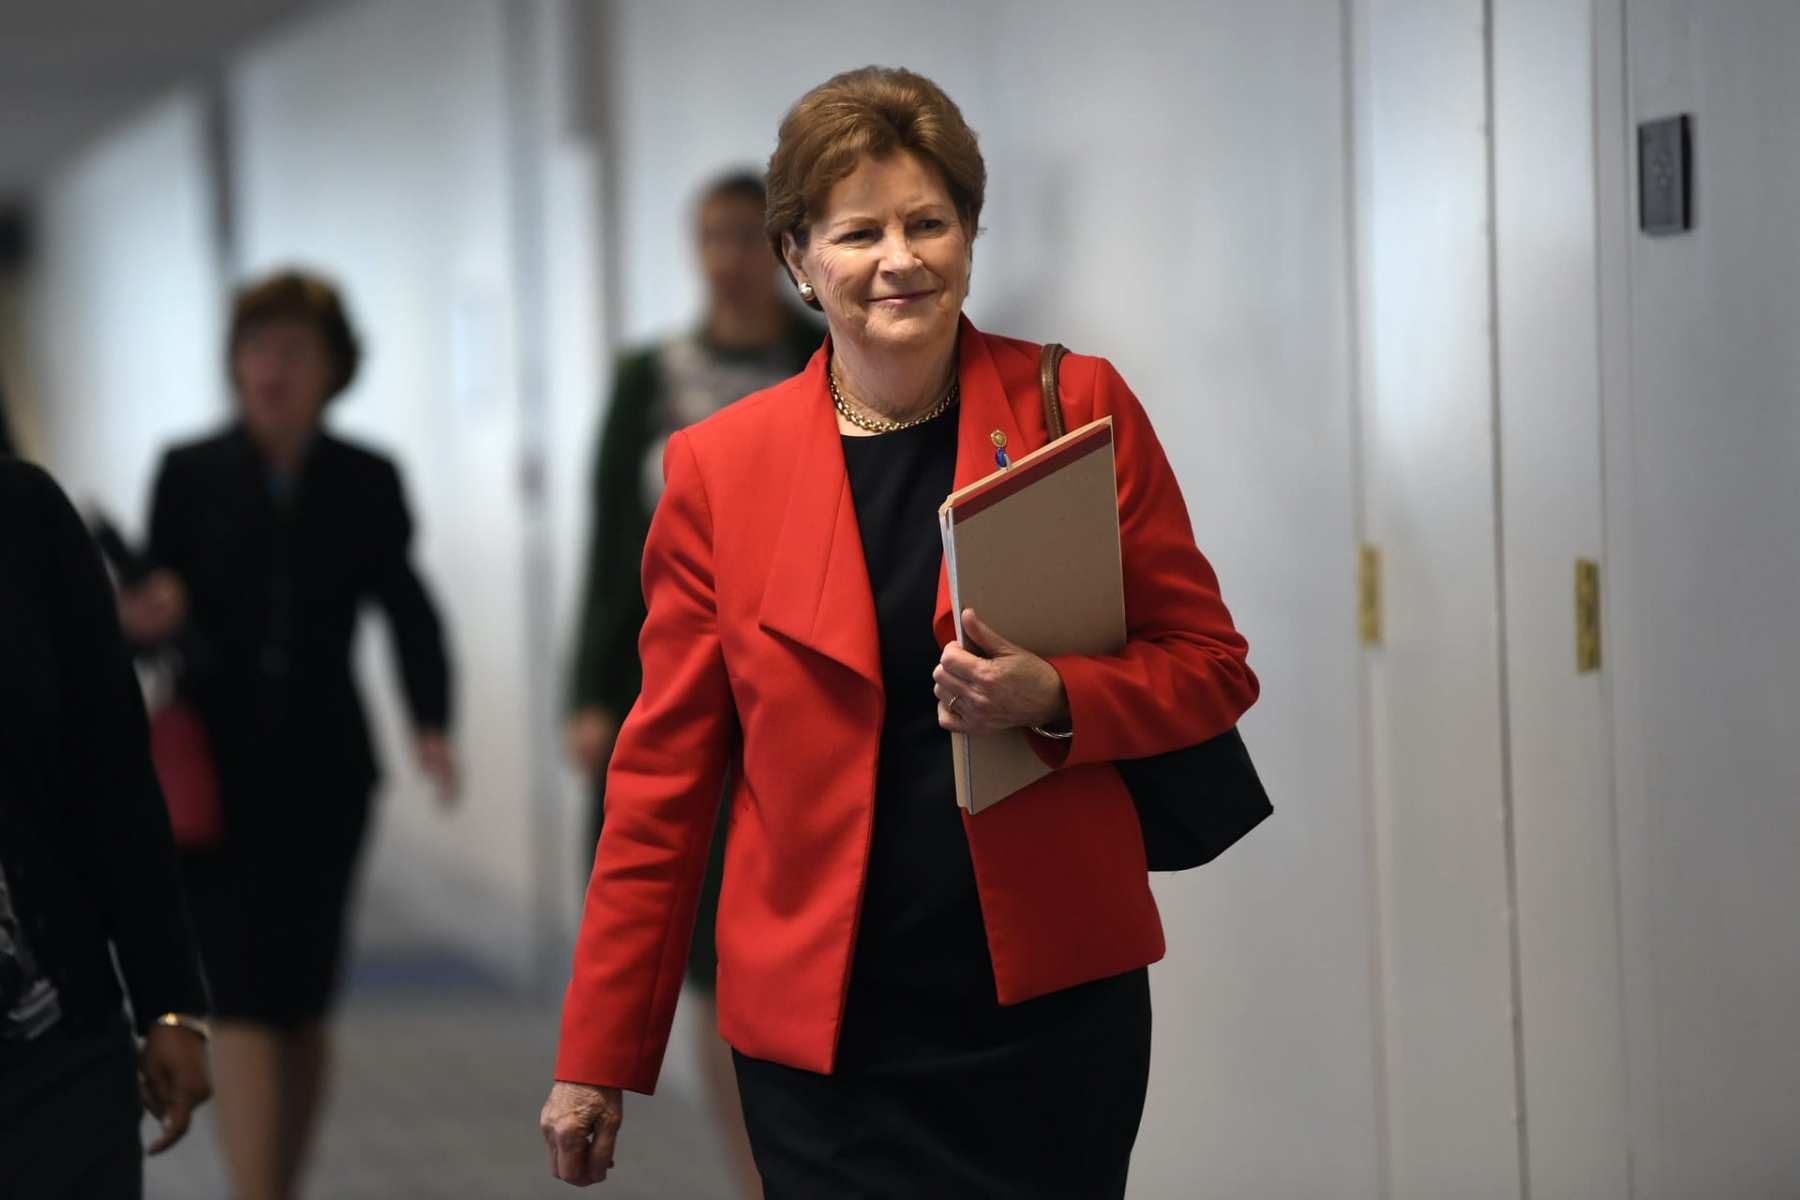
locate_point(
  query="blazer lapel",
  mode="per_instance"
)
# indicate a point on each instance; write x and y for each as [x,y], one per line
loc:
[817,593]
[984,409]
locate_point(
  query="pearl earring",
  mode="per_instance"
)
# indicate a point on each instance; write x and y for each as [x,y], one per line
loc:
[806,291]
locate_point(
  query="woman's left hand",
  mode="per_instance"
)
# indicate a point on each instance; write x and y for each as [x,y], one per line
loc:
[1007,687]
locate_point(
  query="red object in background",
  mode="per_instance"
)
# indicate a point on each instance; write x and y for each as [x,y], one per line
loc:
[190,781]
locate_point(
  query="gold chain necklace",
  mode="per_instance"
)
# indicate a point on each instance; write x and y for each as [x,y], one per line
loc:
[883,424]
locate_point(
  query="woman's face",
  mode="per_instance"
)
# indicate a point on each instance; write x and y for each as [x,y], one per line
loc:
[283,373]
[888,256]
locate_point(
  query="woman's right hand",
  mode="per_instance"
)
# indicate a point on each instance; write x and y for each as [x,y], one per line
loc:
[154,609]
[580,1124]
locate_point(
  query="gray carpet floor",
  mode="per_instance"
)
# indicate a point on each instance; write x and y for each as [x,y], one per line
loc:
[440,1073]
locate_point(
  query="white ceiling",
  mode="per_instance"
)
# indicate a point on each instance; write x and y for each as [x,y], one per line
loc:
[69,68]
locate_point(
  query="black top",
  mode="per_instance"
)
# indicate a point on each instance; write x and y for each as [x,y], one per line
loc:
[276,576]
[920,945]
[86,859]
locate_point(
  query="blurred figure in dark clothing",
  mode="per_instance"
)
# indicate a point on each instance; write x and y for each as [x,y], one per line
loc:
[749,337]
[266,540]
[87,874]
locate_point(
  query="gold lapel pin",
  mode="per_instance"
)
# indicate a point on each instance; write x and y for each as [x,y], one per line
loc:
[999,438]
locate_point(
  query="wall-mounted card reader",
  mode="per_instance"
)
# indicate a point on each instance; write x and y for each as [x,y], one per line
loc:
[1665,175]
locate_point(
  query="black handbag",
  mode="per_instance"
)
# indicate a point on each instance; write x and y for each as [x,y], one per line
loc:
[1195,802]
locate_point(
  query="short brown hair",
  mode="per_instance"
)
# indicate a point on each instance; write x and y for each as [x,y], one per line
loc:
[868,113]
[305,299]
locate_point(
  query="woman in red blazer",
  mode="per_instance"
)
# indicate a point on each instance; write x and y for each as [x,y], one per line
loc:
[921,1002]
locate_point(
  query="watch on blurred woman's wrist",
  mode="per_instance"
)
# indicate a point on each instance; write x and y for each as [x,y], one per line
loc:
[195,1025]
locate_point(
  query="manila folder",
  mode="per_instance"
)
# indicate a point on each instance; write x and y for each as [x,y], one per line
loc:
[1034,550]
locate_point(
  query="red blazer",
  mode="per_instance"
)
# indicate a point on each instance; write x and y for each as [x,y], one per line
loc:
[760,658]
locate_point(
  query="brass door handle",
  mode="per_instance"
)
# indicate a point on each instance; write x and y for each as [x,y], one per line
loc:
[1587,615]
[1368,594]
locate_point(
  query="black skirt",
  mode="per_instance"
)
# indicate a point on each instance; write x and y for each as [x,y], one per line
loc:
[271,906]
[1039,1100]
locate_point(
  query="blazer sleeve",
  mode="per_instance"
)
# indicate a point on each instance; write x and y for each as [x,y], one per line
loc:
[145,917]
[1183,676]
[662,799]
[418,633]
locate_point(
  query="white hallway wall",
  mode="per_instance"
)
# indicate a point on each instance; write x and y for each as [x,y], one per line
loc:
[123,310]
[1166,188]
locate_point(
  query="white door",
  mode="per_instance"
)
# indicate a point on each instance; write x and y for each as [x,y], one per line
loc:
[1441,822]
[1558,752]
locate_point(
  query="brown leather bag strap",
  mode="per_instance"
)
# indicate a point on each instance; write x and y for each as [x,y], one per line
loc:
[1048,366]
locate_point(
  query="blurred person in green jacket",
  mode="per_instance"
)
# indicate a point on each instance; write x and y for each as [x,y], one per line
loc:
[749,338]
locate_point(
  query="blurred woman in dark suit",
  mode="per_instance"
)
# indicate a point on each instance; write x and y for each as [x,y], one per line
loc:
[267,539]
